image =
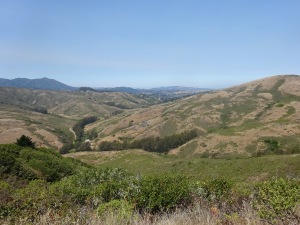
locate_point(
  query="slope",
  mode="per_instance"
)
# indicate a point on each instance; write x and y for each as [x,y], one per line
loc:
[47,115]
[254,117]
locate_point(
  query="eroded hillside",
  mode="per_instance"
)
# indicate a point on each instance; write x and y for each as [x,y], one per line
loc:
[244,119]
[47,116]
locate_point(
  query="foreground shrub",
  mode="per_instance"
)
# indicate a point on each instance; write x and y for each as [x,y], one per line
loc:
[162,192]
[277,198]
[95,186]
[31,201]
[5,198]
[216,189]
[121,209]
[213,190]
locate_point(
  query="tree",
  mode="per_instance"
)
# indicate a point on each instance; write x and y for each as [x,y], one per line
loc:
[25,141]
[85,147]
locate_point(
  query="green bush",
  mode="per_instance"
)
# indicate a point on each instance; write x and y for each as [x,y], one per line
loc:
[96,186]
[276,199]
[5,199]
[216,189]
[46,163]
[29,164]
[162,192]
[121,209]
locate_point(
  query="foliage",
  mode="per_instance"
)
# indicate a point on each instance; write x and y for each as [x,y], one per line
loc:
[25,141]
[96,186]
[27,163]
[42,110]
[164,144]
[216,189]
[273,146]
[163,192]
[151,144]
[5,199]
[122,209]
[92,134]
[83,147]
[277,198]
[78,128]
[108,146]
[112,192]
[66,148]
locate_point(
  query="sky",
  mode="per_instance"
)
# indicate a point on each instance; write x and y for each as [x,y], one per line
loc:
[149,43]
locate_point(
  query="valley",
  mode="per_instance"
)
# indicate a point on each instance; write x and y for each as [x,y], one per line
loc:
[227,156]
[239,121]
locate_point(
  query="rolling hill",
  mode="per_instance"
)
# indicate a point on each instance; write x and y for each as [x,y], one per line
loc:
[48,115]
[243,120]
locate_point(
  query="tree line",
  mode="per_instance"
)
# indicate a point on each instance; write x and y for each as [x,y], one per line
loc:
[151,144]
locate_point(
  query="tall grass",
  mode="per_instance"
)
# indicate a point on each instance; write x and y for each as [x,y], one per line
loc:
[198,214]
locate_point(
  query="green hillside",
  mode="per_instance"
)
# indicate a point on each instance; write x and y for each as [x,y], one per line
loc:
[40,163]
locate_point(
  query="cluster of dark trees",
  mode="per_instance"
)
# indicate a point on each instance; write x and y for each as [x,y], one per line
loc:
[40,110]
[78,127]
[151,144]
[25,141]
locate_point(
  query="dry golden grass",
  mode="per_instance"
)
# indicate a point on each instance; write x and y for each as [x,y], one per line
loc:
[230,121]
[197,215]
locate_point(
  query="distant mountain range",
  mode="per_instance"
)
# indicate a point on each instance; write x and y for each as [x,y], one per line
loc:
[42,83]
[162,93]
[170,89]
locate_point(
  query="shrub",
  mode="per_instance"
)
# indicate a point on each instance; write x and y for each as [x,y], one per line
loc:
[216,189]
[162,192]
[96,186]
[86,146]
[276,199]
[121,209]
[5,198]
[46,163]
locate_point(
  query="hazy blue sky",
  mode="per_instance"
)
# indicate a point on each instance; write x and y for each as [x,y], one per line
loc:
[149,43]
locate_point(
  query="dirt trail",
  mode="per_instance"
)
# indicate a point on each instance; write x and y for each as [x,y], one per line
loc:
[73,132]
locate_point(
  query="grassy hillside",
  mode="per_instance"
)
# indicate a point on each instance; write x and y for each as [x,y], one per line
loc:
[29,164]
[234,169]
[243,120]
[75,104]
[39,186]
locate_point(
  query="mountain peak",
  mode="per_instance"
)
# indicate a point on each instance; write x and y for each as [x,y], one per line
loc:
[40,83]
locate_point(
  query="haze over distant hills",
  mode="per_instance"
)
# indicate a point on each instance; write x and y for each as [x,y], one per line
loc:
[51,84]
